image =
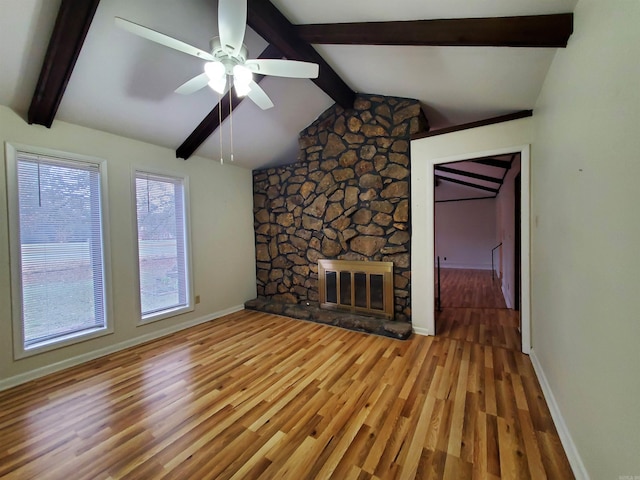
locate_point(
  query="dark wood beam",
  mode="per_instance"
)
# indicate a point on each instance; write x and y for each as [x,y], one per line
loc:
[524,31]
[494,162]
[465,199]
[212,121]
[71,27]
[480,123]
[467,184]
[273,26]
[477,176]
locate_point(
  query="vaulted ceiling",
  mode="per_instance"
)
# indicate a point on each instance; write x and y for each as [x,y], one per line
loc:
[461,70]
[472,179]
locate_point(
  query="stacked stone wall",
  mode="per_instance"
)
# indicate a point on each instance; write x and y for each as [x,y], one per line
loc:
[347,198]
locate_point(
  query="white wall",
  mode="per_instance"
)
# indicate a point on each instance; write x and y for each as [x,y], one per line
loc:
[505,205]
[586,235]
[222,238]
[465,233]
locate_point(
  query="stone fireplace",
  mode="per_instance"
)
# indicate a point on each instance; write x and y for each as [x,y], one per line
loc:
[347,198]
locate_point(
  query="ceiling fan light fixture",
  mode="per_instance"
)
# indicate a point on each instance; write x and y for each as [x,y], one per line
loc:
[217,74]
[242,78]
[218,84]
[214,70]
[242,90]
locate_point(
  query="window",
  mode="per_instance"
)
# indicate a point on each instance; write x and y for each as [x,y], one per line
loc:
[163,254]
[58,250]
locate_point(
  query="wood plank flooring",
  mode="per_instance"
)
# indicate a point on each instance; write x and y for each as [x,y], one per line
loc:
[465,288]
[474,310]
[253,395]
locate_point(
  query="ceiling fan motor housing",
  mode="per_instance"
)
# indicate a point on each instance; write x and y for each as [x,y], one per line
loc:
[223,55]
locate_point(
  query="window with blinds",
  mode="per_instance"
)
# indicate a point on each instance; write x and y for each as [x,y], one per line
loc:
[163,256]
[56,205]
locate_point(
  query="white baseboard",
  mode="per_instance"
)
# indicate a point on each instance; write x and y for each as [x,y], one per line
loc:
[467,266]
[422,331]
[77,360]
[507,300]
[579,470]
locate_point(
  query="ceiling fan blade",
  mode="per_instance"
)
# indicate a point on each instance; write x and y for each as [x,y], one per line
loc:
[259,96]
[193,85]
[232,23]
[162,39]
[283,68]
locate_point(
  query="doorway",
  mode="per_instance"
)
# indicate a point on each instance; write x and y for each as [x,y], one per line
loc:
[477,248]
[423,261]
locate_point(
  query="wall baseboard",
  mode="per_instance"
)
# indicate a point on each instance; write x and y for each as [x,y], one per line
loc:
[507,300]
[422,331]
[77,360]
[468,266]
[577,465]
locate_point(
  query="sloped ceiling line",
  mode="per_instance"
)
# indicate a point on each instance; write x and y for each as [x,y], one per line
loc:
[524,31]
[71,27]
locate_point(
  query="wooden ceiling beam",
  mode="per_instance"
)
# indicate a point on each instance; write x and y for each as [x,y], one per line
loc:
[467,184]
[524,31]
[213,120]
[71,27]
[477,176]
[494,162]
[480,123]
[273,26]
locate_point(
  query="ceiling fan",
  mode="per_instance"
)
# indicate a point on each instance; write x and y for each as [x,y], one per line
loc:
[227,63]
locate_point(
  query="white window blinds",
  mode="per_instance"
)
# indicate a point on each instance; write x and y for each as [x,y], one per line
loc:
[61,248]
[162,244]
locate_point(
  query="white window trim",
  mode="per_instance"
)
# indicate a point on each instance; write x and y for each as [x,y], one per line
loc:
[19,351]
[172,312]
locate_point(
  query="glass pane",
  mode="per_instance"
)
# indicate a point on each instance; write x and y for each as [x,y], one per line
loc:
[61,249]
[345,288]
[361,289]
[161,243]
[331,281]
[377,292]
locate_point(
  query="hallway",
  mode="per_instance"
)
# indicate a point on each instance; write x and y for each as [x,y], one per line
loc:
[474,310]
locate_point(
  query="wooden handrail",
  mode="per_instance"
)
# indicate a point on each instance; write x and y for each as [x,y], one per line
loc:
[493,250]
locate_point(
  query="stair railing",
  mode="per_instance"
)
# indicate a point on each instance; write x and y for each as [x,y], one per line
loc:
[492,268]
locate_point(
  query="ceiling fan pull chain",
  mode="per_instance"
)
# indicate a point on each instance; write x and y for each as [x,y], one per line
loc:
[220,123]
[231,120]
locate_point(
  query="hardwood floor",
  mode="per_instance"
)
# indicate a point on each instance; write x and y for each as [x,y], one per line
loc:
[473,309]
[254,395]
[470,288]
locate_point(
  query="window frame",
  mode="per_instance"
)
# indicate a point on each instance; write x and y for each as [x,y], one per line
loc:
[189,294]
[12,151]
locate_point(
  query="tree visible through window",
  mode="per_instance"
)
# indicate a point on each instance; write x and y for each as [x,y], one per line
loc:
[162,252]
[61,274]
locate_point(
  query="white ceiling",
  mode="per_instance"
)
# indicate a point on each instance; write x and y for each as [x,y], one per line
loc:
[124,84]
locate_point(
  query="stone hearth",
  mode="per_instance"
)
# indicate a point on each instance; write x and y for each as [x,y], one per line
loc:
[359,323]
